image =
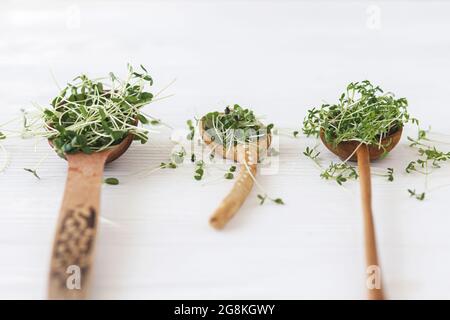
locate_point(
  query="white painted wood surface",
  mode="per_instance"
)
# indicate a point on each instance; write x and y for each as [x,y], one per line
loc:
[280,58]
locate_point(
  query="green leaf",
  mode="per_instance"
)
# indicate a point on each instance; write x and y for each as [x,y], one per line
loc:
[112,181]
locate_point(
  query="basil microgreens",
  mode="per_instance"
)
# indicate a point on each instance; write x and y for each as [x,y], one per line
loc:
[90,115]
[364,113]
[111,181]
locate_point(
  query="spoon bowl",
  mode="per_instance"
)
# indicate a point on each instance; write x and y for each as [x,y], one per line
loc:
[254,150]
[346,150]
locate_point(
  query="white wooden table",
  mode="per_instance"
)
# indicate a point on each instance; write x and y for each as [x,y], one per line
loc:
[280,58]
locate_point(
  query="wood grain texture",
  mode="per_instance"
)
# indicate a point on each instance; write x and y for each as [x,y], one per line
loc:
[235,199]
[77,226]
[76,230]
[370,244]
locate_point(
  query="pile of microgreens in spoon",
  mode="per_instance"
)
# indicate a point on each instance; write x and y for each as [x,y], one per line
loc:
[89,115]
[366,114]
[92,115]
[232,127]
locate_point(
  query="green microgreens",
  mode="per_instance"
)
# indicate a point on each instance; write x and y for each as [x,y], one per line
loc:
[262,199]
[235,125]
[91,115]
[230,173]
[364,113]
[170,165]
[429,158]
[111,181]
[312,153]
[191,127]
[390,174]
[34,172]
[340,172]
[418,196]
[199,170]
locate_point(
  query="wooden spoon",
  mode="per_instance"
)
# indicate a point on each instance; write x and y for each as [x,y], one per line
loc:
[363,155]
[73,247]
[245,154]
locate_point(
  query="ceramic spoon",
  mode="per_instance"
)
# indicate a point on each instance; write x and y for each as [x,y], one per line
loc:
[245,154]
[363,155]
[73,247]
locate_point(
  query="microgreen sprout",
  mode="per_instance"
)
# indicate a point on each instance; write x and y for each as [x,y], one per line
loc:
[363,113]
[91,115]
[170,165]
[312,153]
[262,199]
[111,181]
[34,172]
[390,174]
[429,158]
[340,172]
[191,128]
[199,170]
[418,196]
[236,125]
[230,173]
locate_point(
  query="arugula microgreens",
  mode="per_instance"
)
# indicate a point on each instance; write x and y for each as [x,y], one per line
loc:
[91,115]
[429,158]
[364,113]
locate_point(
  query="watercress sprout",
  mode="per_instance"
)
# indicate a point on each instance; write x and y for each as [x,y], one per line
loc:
[363,113]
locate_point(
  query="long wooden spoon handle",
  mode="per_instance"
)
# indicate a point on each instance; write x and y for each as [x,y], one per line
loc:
[234,200]
[374,284]
[72,256]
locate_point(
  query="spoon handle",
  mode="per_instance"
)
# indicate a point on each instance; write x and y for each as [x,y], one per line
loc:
[234,200]
[362,153]
[72,255]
